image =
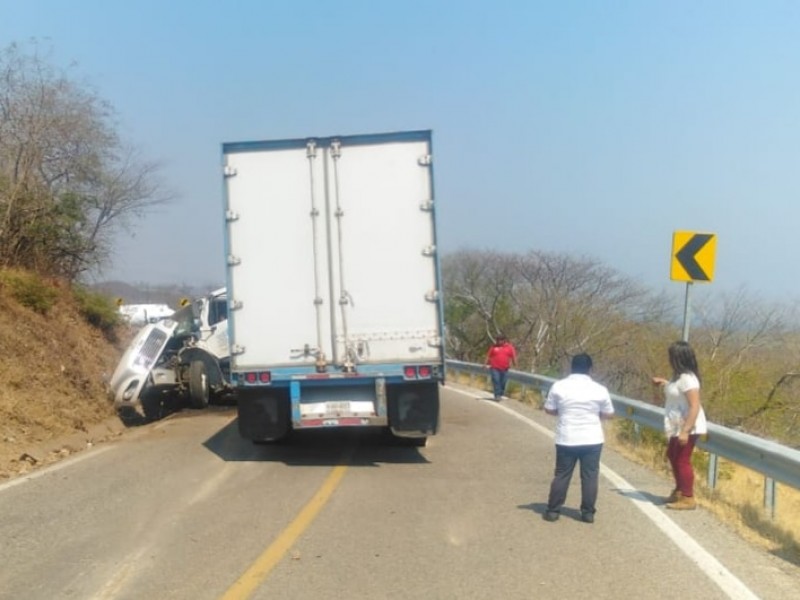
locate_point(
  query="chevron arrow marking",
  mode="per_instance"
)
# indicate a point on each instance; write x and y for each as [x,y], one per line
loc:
[686,256]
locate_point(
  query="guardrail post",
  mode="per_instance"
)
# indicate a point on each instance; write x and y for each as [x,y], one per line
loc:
[769,496]
[713,470]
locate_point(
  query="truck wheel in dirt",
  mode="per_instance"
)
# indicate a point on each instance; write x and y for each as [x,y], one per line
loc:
[198,385]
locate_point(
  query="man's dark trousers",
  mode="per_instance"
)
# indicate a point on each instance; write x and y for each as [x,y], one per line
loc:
[566,458]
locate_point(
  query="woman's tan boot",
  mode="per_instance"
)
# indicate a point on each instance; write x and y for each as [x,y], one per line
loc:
[683,503]
[674,496]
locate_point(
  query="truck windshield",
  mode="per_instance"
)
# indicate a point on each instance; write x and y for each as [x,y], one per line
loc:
[184,317]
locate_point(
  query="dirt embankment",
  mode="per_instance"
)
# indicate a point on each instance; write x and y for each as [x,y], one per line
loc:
[53,369]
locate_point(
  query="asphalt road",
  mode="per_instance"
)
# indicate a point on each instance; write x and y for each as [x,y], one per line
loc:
[184,508]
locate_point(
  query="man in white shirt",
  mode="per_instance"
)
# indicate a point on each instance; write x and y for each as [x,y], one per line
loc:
[580,403]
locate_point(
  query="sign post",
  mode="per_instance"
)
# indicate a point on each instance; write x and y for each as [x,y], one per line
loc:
[686,309]
[693,257]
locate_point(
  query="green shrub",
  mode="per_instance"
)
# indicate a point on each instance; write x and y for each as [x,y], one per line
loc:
[629,431]
[29,290]
[98,310]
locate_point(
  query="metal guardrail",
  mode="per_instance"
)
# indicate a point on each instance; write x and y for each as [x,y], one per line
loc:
[775,461]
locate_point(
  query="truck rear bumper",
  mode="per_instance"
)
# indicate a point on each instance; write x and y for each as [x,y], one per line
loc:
[336,421]
[409,409]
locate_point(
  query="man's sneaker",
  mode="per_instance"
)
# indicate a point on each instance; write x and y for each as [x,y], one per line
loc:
[683,503]
[551,515]
[587,517]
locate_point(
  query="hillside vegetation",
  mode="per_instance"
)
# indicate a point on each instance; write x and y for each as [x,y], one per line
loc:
[57,345]
[552,306]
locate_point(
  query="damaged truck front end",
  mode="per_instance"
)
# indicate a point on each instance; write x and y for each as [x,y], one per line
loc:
[183,357]
[143,375]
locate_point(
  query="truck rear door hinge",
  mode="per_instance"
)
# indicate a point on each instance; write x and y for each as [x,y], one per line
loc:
[229,171]
[235,304]
[426,205]
[236,349]
[429,250]
[425,160]
[234,260]
[432,296]
[231,216]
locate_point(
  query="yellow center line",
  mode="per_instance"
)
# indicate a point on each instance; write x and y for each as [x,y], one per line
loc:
[244,587]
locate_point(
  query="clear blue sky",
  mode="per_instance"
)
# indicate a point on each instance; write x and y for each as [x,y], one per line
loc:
[593,128]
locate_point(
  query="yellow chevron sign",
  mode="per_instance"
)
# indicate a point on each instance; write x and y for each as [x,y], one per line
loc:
[693,256]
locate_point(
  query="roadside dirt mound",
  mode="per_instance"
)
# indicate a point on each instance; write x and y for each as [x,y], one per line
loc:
[52,384]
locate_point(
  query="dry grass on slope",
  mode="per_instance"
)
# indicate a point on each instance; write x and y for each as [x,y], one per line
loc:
[52,369]
[737,499]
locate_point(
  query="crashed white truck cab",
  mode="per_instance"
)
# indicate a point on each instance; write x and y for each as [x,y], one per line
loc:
[181,357]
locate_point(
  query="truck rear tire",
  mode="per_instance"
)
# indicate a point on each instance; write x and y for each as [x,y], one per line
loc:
[263,418]
[408,442]
[199,392]
[413,409]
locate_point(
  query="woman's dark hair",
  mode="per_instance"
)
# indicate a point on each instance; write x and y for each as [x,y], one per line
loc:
[682,359]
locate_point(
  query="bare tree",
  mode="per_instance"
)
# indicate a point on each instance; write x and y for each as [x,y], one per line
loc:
[738,325]
[744,343]
[550,305]
[477,287]
[66,179]
[554,305]
[571,305]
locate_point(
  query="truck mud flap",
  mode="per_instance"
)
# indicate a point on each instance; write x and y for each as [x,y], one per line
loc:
[263,418]
[413,408]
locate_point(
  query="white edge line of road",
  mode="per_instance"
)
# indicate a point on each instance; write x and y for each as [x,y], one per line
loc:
[715,570]
[62,464]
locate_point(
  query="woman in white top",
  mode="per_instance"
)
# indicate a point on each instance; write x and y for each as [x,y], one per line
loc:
[684,421]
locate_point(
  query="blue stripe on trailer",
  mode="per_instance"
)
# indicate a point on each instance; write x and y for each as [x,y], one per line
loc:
[423,135]
[294,397]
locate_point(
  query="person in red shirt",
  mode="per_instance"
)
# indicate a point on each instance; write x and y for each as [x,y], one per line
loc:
[500,358]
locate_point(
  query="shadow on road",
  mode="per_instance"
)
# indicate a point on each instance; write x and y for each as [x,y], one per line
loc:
[637,494]
[370,447]
[541,507]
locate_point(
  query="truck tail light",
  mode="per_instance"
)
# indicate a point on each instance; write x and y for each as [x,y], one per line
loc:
[255,377]
[420,372]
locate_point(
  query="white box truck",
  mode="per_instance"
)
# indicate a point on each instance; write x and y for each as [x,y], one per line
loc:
[335,314]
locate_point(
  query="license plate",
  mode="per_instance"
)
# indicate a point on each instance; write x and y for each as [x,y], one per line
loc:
[337,407]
